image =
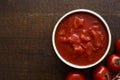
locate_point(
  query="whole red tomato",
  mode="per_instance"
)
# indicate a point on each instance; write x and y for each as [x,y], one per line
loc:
[101,73]
[117,46]
[113,63]
[75,75]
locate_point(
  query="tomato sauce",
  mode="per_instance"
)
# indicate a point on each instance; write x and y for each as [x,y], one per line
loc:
[81,38]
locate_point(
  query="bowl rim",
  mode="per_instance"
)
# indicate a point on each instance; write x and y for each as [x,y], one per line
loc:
[106,26]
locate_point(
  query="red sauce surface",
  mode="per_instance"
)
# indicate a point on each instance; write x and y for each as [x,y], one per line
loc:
[81,38]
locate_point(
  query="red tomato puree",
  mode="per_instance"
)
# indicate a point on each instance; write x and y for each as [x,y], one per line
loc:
[81,38]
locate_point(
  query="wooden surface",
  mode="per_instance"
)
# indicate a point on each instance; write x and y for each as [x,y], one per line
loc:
[26,26]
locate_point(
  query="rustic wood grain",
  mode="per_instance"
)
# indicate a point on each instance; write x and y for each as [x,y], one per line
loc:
[26,26]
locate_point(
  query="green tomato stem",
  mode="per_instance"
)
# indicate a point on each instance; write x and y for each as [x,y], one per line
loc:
[117,62]
[107,75]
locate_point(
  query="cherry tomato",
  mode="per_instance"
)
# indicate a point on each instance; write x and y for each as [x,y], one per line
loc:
[75,75]
[117,46]
[113,63]
[101,73]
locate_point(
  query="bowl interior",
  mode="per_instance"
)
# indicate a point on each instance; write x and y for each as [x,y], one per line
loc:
[106,26]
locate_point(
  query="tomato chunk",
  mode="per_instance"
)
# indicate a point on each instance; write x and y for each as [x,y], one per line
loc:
[78,49]
[78,22]
[85,38]
[63,39]
[62,32]
[74,38]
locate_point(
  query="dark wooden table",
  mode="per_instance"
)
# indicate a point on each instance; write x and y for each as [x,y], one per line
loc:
[26,26]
